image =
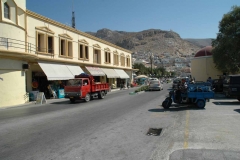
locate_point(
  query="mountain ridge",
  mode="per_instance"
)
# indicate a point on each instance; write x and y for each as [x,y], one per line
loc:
[156,41]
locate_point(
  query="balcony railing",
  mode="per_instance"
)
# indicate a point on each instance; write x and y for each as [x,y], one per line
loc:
[14,44]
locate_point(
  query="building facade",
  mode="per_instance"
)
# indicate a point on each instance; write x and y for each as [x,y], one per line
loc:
[202,65]
[37,52]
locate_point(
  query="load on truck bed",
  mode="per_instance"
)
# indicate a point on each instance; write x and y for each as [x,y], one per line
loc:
[84,87]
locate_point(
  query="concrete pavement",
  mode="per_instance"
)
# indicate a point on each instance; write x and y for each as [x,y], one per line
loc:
[212,134]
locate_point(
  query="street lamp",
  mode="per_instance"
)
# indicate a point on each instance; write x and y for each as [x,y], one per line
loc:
[151,60]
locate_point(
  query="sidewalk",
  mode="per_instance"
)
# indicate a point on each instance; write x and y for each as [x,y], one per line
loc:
[33,103]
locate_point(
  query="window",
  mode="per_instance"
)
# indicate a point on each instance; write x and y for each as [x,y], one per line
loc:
[83,51]
[41,42]
[96,56]
[122,60]
[86,52]
[116,59]
[50,44]
[45,40]
[6,11]
[62,47]
[128,61]
[66,48]
[107,57]
[65,45]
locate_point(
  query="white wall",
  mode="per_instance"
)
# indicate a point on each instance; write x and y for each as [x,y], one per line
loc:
[14,33]
[13,88]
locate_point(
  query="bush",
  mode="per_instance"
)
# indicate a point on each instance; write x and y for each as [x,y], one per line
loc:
[143,88]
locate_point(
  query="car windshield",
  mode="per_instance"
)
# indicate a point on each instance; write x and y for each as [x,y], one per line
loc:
[154,82]
[74,82]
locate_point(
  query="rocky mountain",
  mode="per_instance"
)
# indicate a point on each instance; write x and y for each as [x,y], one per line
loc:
[153,40]
[200,42]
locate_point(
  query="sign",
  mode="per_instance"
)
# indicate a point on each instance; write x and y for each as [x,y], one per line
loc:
[41,99]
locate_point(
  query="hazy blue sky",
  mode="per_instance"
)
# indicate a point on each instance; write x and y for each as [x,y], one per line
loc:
[189,18]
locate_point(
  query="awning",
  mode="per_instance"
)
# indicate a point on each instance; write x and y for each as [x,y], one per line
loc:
[110,73]
[122,73]
[55,71]
[95,71]
[75,70]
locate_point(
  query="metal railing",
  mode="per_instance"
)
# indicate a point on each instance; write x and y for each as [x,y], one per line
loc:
[23,46]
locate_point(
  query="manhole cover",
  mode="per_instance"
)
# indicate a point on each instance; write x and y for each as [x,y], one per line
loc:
[154,131]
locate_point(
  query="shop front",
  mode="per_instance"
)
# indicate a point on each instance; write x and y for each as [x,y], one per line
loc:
[111,77]
[123,79]
[52,78]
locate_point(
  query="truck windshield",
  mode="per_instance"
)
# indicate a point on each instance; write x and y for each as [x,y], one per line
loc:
[74,82]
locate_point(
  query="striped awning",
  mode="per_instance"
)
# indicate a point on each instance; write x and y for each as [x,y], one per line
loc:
[95,71]
[111,73]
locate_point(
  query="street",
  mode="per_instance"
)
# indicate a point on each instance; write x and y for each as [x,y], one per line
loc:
[116,128]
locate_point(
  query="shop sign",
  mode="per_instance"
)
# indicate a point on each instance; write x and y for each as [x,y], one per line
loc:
[41,99]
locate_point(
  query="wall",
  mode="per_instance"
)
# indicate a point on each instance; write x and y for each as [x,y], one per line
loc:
[203,67]
[13,88]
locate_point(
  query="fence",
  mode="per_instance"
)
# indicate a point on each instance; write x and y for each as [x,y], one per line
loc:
[14,44]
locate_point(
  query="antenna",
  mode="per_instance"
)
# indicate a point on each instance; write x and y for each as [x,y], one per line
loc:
[73,17]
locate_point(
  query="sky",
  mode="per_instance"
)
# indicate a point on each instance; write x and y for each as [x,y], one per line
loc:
[189,18]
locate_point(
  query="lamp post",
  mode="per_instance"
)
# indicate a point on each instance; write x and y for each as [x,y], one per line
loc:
[151,60]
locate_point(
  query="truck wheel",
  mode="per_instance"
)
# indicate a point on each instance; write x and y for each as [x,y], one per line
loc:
[101,95]
[167,103]
[201,104]
[87,98]
[72,100]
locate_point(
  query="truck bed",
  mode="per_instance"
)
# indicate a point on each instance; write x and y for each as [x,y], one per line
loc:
[99,87]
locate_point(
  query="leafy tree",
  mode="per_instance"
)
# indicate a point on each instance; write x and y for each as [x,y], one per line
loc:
[158,72]
[226,47]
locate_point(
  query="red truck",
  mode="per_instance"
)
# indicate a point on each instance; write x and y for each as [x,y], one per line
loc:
[84,87]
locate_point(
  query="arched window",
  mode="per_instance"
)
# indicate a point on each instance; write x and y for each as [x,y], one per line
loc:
[6,11]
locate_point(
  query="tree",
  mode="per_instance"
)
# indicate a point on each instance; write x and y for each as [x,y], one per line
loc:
[226,47]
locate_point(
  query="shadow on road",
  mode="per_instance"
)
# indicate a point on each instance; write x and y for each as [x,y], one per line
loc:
[176,107]
[237,110]
[227,103]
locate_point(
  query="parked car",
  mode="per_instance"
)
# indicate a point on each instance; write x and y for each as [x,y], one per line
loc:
[155,85]
[231,86]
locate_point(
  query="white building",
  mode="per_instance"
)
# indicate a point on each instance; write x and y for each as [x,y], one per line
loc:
[36,51]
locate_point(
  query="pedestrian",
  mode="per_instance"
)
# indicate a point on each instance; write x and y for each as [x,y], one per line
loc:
[209,80]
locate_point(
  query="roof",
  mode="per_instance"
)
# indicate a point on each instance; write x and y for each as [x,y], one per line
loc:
[206,51]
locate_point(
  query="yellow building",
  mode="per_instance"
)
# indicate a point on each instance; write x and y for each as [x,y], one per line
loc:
[202,65]
[36,51]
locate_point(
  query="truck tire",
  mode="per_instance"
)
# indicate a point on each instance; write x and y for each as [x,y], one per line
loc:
[72,100]
[201,103]
[167,103]
[87,98]
[101,95]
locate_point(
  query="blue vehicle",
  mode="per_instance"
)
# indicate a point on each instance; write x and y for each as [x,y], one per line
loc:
[198,94]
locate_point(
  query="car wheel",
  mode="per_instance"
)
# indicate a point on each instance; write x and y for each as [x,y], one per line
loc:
[201,104]
[87,98]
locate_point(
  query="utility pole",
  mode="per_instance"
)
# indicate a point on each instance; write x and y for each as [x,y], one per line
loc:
[73,17]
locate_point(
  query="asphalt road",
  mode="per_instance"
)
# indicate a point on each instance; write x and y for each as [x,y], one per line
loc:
[115,128]
[107,129]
